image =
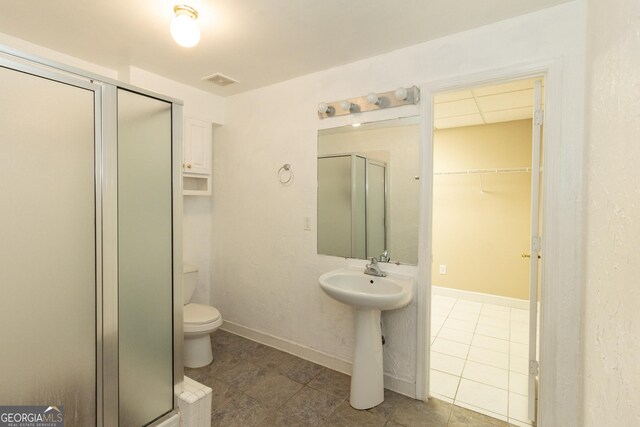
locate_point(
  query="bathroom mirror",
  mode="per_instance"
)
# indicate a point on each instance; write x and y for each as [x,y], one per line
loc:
[368,190]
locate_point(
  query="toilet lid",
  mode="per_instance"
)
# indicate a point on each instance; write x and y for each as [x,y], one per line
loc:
[200,314]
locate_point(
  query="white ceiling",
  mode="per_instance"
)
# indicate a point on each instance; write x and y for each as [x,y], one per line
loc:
[257,42]
[483,105]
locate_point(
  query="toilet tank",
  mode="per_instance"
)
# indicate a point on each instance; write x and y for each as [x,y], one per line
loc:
[189,281]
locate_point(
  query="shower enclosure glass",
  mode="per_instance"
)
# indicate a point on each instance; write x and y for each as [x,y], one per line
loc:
[144,258]
[90,256]
[376,207]
[48,251]
[351,206]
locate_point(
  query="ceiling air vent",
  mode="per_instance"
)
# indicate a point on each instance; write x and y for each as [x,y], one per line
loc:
[220,79]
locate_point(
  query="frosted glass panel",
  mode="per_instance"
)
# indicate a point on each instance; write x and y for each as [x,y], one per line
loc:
[375,210]
[47,246]
[334,206]
[359,205]
[144,258]
[351,207]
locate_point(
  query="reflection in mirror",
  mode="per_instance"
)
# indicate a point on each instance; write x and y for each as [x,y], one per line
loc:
[368,191]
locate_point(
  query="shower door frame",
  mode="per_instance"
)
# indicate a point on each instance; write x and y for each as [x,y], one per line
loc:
[106,221]
[19,65]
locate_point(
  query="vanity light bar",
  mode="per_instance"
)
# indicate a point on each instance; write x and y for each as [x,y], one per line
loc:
[370,102]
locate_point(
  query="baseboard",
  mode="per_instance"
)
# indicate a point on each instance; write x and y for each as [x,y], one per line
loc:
[312,355]
[399,385]
[290,347]
[480,297]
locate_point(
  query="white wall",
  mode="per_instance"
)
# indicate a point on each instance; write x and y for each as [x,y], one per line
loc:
[612,300]
[197,103]
[265,266]
[33,49]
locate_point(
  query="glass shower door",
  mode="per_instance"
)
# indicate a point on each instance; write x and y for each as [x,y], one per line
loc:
[334,206]
[145,258]
[48,249]
[376,209]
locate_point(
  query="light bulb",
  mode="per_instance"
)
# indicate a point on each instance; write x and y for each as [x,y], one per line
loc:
[323,107]
[373,98]
[346,105]
[401,94]
[184,28]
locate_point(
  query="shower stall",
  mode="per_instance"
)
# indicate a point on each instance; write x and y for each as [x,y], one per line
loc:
[352,194]
[90,260]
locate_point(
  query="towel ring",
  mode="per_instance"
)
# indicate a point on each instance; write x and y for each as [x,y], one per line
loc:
[285,174]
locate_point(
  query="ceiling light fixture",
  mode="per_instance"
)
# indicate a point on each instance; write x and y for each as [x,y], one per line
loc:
[184,28]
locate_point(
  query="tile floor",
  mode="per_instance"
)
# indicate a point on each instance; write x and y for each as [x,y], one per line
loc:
[256,385]
[479,357]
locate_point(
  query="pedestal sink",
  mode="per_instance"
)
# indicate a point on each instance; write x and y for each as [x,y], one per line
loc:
[369,295]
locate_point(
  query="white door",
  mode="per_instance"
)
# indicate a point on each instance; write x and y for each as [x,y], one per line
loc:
[535,247]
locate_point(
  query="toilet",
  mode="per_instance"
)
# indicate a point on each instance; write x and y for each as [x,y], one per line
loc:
[199,322]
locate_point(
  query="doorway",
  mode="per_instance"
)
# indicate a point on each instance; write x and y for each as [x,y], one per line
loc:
[486,248]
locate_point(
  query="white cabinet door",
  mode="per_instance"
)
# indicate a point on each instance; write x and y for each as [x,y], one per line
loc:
[197,146]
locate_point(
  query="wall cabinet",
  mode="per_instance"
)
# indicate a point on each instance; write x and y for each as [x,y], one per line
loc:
[196,165]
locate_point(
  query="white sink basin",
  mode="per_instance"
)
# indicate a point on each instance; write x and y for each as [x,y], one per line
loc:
[353,287]
[369,295]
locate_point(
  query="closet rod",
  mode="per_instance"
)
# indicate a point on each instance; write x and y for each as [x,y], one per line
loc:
[485,171]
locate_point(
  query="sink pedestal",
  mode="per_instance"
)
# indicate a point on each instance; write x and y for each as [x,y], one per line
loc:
[369,295]
[367,381]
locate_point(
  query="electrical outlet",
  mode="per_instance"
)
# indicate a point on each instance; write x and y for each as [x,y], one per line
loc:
[443,269]
[307,223]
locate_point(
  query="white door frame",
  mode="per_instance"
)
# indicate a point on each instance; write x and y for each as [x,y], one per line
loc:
[552,188]
[534,245]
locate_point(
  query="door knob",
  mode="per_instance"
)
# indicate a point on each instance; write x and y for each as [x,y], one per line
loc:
[524,255]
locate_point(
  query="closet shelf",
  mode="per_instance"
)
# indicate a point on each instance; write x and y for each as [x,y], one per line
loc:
[485,171]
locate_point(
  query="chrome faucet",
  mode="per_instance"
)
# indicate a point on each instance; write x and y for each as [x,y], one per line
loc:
[385,256]
[373,269]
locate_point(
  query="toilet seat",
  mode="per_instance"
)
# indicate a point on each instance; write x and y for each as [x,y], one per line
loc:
[200,314]
[199,318]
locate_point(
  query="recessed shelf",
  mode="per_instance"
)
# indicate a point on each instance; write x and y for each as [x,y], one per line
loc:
[196,185]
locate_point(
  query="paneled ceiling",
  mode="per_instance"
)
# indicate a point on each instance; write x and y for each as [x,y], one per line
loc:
[483,105]
[257,42]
